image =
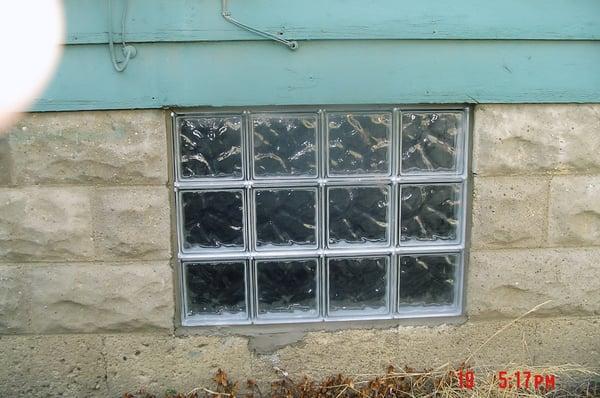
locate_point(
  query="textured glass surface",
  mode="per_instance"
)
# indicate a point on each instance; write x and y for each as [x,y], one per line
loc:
[427,279]
[292,214]
[429,141]
[357,284]
[216,289]
[285,145]
[358,215]
[213,219]
[429,212]
[359,143]
[286,217]
[211,147]
[287,287]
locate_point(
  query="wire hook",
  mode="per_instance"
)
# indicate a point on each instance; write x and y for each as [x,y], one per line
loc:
[291,44]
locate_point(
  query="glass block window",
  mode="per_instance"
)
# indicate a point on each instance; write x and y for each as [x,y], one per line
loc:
[319,214]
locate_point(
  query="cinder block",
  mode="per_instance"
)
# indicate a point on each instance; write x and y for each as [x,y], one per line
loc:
[508,283]
[509,212]
[100,297]
[99,147]
[45,224]
[132,223]
[574,216]
[14,299]
[536,139]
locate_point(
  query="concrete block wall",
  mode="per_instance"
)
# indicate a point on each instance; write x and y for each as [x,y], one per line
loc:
[536,211]
[85,228]
[86,262]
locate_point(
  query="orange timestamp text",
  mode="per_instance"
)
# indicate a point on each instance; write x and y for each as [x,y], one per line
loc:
[519,379]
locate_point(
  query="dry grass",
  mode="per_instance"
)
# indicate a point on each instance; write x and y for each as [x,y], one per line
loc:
[571,381]
[442,382]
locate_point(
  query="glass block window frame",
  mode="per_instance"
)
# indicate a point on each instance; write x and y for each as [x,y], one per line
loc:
[430,270]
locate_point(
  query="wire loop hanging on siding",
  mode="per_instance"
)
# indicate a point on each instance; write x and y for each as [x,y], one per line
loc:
[128,50]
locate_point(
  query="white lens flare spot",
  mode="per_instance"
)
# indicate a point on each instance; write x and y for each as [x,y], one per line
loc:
[32,32]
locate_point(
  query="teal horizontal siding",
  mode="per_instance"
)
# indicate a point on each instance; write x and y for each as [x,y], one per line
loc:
[200,20]
[345,72]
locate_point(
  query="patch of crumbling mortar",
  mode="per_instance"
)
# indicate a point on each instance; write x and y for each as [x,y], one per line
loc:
[266,344]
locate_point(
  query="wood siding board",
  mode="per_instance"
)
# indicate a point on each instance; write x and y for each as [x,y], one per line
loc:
[200,20]
[345,72]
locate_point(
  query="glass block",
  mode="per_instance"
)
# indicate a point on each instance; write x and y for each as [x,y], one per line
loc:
[210,147]
[213,219]
[286,217]
[287,287]
[358,215]
[427,279]
[285,145]
[358,285]
[359,143]
[216,289]
[429,212]
[430,141]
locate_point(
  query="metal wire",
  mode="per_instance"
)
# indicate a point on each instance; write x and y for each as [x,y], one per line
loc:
[291,44]
[128,51]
